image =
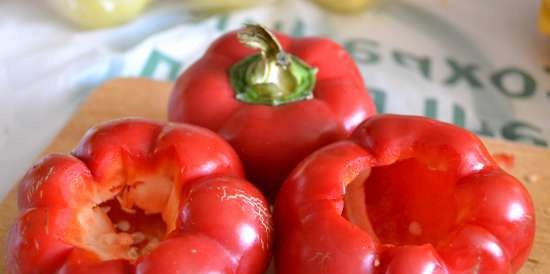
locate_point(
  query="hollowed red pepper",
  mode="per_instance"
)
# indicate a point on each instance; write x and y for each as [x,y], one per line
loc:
[405,195]
[275,107]
[140,197]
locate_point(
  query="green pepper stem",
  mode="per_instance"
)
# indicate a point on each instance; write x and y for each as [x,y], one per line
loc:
[273,76]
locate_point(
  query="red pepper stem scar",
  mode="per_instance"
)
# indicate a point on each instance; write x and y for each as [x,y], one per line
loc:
[273,76]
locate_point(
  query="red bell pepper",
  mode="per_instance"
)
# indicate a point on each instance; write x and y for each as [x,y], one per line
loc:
[404,195]
[138,196]
[275,107]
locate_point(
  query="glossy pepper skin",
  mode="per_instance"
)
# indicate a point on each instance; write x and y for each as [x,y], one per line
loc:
[271,140]
[404,195]
[138,196]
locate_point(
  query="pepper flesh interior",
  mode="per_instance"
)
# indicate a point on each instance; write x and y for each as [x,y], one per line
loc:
[129,220]
[408,202]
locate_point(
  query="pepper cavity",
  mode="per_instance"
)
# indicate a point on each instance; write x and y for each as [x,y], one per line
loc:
[130,222]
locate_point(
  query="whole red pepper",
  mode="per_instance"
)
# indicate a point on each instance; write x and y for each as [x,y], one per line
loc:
[405,195]
[138,196]
[275,107]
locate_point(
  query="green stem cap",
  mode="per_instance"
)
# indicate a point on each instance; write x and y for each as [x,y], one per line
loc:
[271,77]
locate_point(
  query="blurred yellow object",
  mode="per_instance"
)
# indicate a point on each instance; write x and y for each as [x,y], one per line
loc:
[544,19]
[219,5]
[99,13]
[344,5]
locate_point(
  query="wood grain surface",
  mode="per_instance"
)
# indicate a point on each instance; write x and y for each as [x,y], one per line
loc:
[146,98]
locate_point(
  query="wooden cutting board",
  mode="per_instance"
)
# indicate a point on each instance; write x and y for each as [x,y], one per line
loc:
[147,98]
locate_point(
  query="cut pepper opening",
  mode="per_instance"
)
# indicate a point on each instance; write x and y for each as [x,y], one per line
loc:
[129,220]
[397,203]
